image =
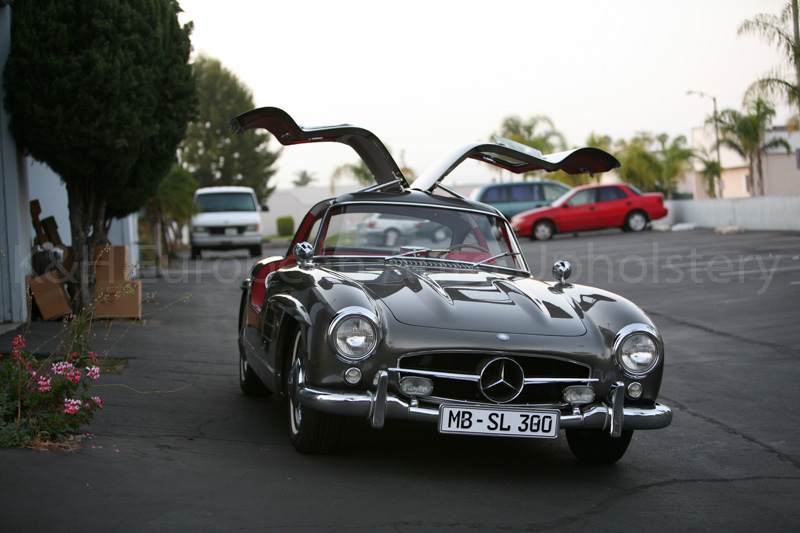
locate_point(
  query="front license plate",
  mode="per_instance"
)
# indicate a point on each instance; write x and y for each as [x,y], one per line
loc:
[540,424]
[231,231]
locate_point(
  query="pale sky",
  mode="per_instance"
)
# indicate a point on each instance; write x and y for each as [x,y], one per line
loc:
[427,76]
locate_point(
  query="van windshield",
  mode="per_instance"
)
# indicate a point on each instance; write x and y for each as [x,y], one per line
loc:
[226,201]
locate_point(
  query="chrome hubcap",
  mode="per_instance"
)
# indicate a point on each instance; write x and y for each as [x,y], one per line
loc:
[542,231]
[638,222]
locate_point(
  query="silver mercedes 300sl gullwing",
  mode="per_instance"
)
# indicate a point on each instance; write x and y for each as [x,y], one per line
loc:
[440,320]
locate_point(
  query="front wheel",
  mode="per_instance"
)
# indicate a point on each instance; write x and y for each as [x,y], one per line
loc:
[310,431]
[635,221]
[597,445]
[255,251]
[542,230]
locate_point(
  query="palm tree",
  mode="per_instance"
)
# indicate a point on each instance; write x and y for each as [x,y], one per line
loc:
[675,160]
[745,134]
[538,132]
[784,31]
[359,171]
[638,164]
[304,177]
[710,171]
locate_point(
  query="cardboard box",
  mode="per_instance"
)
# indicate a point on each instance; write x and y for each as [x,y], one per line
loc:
[112,265]
[50,295]
[119,303]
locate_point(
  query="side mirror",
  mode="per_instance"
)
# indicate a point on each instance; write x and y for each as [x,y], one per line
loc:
[303,253]
[264,207]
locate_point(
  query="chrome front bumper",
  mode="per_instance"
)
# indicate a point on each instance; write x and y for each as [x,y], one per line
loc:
[378,405]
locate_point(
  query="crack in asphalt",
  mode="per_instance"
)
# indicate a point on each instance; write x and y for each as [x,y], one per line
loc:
[739,338]
[605,503]
[733,431]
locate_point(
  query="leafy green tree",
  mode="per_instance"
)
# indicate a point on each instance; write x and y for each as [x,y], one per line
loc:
[101,91]
[783,31]
[745,133]
[538,132]
[213,154]
[168,211]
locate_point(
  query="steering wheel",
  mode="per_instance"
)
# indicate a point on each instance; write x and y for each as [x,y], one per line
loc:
[466,245]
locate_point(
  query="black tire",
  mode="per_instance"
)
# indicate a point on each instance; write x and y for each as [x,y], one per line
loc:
[636,221]
[542,230]
[249,382]
[255,251]
[597,445]
[196,252]
[310,431]
[391,237]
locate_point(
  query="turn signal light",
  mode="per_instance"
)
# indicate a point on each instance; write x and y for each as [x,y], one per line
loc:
[578,395]
[415,386]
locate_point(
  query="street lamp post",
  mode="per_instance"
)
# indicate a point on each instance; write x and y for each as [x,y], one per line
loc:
[716,134]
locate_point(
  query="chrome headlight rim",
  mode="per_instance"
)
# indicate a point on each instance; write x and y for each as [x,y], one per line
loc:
[627,332]
[346,314]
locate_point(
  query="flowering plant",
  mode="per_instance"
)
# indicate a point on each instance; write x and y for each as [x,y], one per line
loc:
[45,400]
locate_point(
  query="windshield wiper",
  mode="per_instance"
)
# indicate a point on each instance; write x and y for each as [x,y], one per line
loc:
[498,256]
[411,250]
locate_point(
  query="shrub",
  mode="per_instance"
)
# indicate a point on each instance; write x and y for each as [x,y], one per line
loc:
[48,399]
[285,226]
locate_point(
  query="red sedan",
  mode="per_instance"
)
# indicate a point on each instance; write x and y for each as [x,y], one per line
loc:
[592,207]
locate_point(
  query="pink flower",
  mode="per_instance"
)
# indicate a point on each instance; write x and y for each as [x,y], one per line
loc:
[44,383]
[71,406]
[16,347]
[62,368]
[74,375]
[97,401]
[93,372]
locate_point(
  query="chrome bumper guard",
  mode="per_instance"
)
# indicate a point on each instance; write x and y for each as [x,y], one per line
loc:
[378,405]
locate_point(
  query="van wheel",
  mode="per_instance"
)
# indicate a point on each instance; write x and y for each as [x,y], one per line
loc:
[196,252]
[255,251]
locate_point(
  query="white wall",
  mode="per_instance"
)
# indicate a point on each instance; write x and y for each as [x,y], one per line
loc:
[761,213]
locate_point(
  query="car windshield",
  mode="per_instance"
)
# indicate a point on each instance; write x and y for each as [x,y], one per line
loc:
[419,231]
[563,198]
[225,201]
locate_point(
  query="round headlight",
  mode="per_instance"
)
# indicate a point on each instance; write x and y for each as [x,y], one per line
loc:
[638,353]
[354,336]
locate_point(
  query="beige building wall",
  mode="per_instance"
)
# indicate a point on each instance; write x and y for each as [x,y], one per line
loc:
[781,175]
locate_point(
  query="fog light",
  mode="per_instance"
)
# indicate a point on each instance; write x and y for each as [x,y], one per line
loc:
[352,375]
[414,386]
[578,395]
[635,389]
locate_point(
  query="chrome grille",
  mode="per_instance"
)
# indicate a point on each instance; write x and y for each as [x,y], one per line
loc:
[456,375]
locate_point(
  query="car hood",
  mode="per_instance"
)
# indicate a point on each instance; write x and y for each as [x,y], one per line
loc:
[470,301]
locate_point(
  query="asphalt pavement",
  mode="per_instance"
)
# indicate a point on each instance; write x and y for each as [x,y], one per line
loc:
[177,447]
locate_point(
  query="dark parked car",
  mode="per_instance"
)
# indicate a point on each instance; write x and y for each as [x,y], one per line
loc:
[592,207]
[513,198]
[453,331]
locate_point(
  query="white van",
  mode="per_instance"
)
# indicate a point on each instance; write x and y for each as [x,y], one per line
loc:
[227,218]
